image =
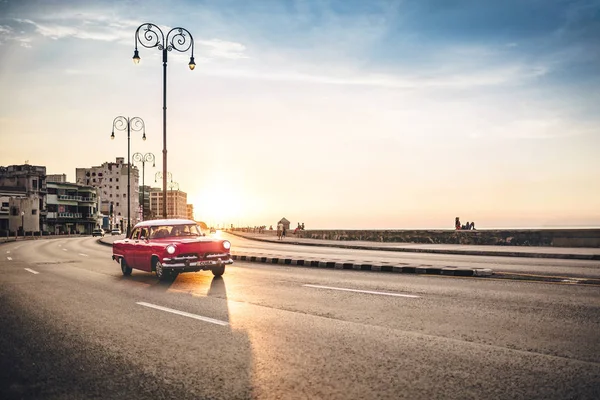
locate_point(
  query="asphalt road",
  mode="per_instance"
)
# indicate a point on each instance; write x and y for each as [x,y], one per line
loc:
[72,326]
[516,265]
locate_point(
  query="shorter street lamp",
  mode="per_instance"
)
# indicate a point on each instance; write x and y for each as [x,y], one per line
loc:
[144,158]
[23,223]
[128,124]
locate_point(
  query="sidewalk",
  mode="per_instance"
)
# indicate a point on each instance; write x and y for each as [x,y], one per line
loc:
[572,253]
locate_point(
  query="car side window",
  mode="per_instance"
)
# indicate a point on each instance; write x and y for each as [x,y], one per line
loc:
[135,233]
[144,233]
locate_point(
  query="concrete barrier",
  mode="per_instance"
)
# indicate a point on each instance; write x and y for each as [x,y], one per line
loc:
[589,238]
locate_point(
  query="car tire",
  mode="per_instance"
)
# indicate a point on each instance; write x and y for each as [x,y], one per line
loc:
[218,270]
[160,272]
[125,268]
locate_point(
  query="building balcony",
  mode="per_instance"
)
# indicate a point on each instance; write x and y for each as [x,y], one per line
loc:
[69,215]
[68,197]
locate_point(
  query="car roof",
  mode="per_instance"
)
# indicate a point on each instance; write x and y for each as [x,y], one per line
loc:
[174,221]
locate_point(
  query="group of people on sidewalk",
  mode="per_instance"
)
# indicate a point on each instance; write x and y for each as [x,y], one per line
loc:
[467,226]
[281,229]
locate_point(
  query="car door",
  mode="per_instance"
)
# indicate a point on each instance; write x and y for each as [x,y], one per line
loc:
[131,256]
[144,250]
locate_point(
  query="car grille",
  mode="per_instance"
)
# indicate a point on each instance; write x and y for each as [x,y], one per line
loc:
[185,257]
[215,255]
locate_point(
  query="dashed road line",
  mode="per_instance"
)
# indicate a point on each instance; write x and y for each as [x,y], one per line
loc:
[183,313]
[65,250]
[85,255]
[364,291]
[9,258]
[32,271]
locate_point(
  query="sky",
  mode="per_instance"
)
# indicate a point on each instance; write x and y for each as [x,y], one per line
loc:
[339,114]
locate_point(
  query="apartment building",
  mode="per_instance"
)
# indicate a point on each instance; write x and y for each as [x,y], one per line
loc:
[111,180]
[22,198]
[144,200]
[72,208]
[176,203]
[190,211]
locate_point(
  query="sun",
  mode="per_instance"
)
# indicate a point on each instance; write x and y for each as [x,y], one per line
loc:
[218,205]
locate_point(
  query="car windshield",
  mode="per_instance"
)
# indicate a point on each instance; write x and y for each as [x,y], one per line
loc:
[163,231]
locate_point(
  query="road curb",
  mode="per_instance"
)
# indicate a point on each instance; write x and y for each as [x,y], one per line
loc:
[417,269]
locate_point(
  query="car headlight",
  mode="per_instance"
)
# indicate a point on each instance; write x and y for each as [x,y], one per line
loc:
[226,245]
[171,249]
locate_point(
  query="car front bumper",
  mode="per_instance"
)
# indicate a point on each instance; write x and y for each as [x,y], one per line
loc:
[188,264]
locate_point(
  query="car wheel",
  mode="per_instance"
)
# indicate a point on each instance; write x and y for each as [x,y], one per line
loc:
[160,272]
[218,270]
[124,268]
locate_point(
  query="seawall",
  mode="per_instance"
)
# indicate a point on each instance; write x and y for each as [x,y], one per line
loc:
[500,237]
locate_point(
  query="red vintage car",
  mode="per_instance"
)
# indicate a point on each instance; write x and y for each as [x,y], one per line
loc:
[169,247]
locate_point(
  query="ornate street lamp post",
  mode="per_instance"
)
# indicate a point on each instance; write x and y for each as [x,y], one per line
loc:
[128,124]
[144,158]
[149,35]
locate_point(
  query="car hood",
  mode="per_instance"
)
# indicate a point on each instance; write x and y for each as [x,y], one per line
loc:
[178,240]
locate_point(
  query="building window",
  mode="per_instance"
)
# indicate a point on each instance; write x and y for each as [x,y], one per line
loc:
[117,179]
[117,188]
[34,183]
[94,180]
[124,195]
[111,179]
[33,212]
[117,204]
[111,195]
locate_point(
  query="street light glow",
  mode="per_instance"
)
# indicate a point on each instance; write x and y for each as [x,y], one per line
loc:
[136,57]
[192,64]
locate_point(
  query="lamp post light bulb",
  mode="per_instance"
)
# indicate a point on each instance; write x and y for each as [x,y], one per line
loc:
[136,57]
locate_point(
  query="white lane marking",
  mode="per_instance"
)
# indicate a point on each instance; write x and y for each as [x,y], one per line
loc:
[9,258]
[185,314]
[7,251]
[32,271]
[65,249]
[364,291]
[85,255]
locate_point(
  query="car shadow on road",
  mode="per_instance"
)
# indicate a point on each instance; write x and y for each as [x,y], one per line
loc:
[206,295]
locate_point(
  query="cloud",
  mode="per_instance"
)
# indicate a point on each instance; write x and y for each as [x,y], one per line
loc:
[87,26]
[7,34]
[223,49]
[84,29]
